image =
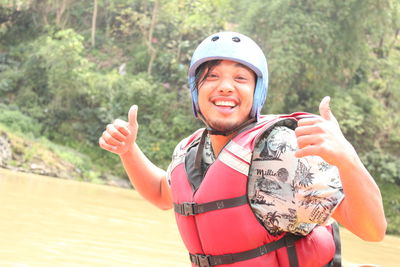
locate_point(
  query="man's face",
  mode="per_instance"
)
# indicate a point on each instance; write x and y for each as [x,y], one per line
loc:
[226,95]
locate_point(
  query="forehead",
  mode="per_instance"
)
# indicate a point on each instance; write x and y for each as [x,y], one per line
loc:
[233,64]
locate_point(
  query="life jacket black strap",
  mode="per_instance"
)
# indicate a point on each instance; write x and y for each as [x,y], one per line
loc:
[291,250]
[210,260]
[192,208]
[337,259]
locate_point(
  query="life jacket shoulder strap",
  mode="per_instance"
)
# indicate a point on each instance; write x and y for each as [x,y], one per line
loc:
[337,259]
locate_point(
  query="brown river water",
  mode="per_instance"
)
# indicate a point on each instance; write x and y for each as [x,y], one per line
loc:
[53,222]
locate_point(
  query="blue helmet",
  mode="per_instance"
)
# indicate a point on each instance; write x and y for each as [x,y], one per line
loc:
[236,47]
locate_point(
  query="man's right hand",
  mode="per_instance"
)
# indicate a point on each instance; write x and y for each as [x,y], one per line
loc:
[120,135]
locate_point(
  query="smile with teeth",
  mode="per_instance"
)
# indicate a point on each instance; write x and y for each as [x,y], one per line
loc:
[225,103]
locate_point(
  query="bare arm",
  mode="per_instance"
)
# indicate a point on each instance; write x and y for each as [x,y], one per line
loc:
[149,180]
[361,211]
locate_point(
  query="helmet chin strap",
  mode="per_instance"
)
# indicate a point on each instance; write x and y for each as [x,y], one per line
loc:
[212,131]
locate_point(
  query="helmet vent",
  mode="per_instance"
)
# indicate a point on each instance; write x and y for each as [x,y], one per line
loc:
[215,38]
[236,39]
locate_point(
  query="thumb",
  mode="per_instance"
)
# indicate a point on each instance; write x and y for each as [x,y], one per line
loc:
[325,109]
[132,115]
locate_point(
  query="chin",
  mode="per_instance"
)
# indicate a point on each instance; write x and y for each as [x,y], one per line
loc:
[223,125]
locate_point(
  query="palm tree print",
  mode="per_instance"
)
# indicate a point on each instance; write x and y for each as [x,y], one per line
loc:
[303,175]
[271,221]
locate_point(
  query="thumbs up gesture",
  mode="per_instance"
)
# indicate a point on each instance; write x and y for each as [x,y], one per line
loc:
[321,136]
[120,135]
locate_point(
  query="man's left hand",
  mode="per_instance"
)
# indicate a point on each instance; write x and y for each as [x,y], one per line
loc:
[321,136]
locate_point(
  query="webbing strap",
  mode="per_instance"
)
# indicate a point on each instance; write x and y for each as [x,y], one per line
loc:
[291,250]
[337,258]
[210,260]
[192,208]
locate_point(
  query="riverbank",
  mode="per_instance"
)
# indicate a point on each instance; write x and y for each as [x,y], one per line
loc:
[24,153]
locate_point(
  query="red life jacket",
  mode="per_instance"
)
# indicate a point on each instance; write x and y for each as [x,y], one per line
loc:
[216,222]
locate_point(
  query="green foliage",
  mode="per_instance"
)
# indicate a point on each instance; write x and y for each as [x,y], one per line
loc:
[9,75]
[158,110]
[312,46]
[17,25]
[391,202]
[384,167]
[14,120]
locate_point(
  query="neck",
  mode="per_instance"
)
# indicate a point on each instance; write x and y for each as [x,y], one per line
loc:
[218,142]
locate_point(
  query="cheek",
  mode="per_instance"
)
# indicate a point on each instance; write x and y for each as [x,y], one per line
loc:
[200,97]
[203,93]
[202,100]
[249,96]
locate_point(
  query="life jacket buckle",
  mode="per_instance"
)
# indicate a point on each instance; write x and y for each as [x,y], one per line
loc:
[202,260]
[188,208]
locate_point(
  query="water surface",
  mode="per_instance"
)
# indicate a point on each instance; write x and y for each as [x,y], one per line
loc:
[53,222]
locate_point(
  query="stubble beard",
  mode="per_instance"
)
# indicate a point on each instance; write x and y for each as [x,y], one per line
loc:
[222,125]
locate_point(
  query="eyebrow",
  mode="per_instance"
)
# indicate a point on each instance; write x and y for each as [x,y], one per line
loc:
[243,66]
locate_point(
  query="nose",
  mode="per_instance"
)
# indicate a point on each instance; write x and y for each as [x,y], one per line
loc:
[226,86]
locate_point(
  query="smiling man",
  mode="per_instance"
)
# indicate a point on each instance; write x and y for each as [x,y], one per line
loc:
[249,189]
[226,94]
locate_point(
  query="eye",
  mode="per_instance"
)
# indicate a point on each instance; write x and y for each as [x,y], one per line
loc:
[211,76]
[242,77]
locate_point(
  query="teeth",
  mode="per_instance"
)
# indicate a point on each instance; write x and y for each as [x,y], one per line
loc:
[225,103]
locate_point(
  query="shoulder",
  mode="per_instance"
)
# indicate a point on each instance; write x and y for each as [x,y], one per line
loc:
[275,143]
[278,124]
[278,134]
[178,156]
[183,146]
[187,142]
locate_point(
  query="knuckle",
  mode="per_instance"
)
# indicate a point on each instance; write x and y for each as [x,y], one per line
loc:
[301,122]
[301,143]
[318,139]
[119,123]
[323,149]
[120,127]
[319,127]
[112,129]
[107,137]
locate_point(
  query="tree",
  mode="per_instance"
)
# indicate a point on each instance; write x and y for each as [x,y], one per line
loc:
[94,19]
